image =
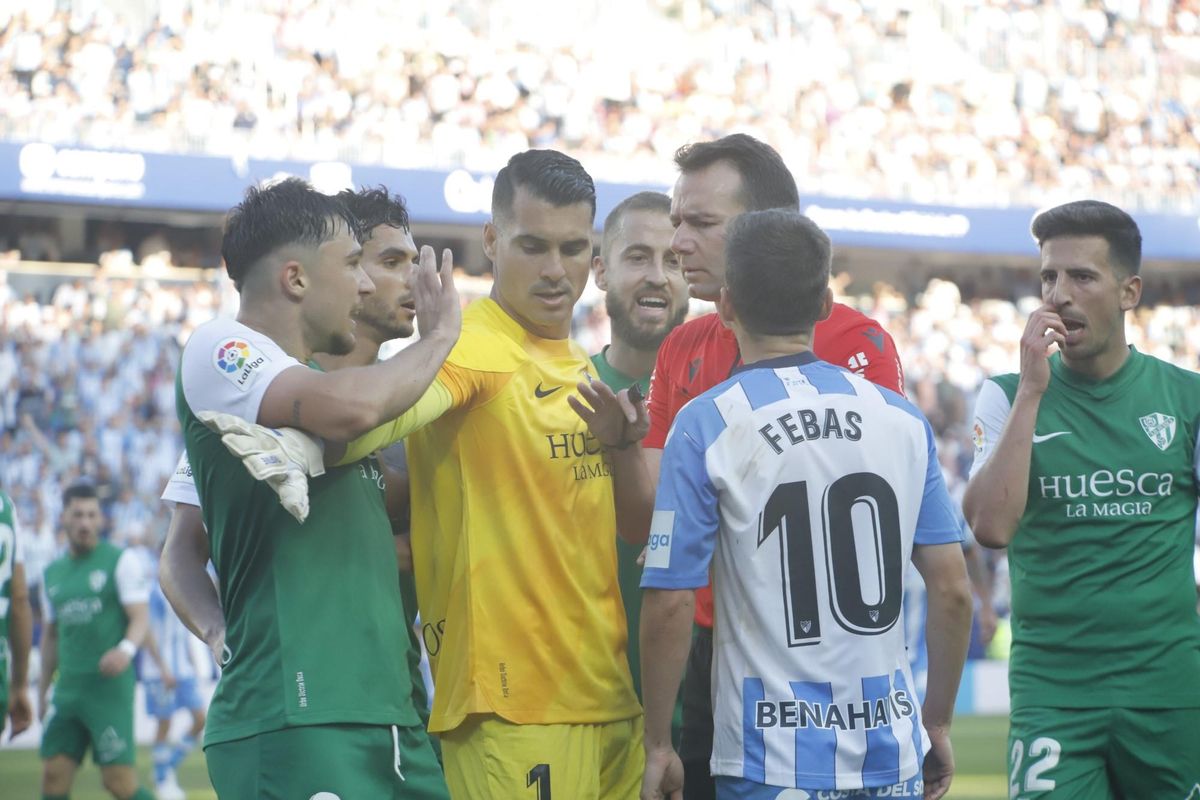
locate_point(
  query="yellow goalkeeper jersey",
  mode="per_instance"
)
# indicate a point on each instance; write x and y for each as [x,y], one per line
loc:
[513,535]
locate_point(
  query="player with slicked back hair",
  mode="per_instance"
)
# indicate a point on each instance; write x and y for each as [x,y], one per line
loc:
[388,258]
[1086,470]
[307,704]
[514,520]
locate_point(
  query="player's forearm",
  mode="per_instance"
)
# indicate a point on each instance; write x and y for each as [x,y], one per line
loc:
[20,627]
[351,402]
[633,490]
[183,575]
[981,578]
[431,405]
[666,636]
[996,495]
[948,634]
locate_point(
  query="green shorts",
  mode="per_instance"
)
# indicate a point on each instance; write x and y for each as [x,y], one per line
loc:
[328,762]
[1104,753]
[96,714]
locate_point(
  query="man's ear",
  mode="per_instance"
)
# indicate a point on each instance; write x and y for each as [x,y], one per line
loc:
[725,309]
[600,273]
[490,234]
[1131,292]
[826,305]
[293,279]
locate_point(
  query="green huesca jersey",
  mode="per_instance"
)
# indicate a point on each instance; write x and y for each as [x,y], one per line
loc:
[1103,597]
[83,597]
[629,573]
[316,630]
[9,558]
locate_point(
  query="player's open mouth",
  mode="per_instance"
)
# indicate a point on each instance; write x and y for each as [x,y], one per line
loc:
[1074,330]
[410,305]
[653,306]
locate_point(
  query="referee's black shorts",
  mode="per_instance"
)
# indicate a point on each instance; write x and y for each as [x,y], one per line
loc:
[695,746]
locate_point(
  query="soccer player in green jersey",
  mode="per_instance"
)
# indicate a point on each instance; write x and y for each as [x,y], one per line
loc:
[95,603]
[16,624]
[388,257]
[646,298]
[314,700]
[1086,469]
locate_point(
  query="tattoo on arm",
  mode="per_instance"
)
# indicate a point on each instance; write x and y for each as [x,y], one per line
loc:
[296,413]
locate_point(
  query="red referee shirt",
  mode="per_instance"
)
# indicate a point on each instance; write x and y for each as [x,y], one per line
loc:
[701,353]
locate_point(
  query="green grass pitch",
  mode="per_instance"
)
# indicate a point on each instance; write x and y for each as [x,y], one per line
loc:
[978,747]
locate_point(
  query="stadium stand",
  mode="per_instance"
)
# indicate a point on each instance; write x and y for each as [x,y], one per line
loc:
[991,102]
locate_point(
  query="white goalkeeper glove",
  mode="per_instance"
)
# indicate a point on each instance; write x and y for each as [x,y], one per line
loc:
[283,457]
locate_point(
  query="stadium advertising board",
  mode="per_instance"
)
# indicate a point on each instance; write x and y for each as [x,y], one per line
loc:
[38,171]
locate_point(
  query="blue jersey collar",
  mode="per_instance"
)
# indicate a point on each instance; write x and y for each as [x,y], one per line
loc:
[780,362]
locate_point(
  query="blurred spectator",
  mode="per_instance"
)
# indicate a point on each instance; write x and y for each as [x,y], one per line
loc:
[87,389]
[988,102]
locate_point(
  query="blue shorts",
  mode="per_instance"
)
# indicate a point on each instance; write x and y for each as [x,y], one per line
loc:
[162,703]
[741,789]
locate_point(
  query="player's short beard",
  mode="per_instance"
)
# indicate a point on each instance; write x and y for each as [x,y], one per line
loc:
[628,331]
[340,344]
[385,324]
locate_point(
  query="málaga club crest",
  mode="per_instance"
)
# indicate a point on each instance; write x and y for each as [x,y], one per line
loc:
[1160,428]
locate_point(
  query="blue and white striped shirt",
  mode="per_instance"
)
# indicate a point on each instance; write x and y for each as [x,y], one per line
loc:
[806,488]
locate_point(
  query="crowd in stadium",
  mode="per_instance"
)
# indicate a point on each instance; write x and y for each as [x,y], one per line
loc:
[997,102]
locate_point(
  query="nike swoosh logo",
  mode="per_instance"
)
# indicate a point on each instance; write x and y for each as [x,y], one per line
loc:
[1039,439]
[540,392]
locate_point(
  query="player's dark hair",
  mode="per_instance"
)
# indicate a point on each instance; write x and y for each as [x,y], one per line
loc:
[1094,218]
[766,180]
[81,490]
[777,271]
[642,201]
[375,206]
[550,175]
[270,217]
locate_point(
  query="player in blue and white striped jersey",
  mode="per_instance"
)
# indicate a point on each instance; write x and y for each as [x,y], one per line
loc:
[807,489]
[169,674]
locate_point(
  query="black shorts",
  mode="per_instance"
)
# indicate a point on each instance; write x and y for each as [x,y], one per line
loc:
[695,746]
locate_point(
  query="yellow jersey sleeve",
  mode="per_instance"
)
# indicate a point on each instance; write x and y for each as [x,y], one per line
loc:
[437,400]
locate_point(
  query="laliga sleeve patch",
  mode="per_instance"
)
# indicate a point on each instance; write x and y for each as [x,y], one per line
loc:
[658,549]
[978,437]
[239,362]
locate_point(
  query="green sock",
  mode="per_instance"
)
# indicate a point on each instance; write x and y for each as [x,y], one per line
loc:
[142,794]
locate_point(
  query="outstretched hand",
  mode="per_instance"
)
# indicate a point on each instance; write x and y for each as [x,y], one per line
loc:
[439,311]
[615,419]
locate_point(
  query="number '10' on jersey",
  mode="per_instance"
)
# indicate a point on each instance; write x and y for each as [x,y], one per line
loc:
[806,488]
